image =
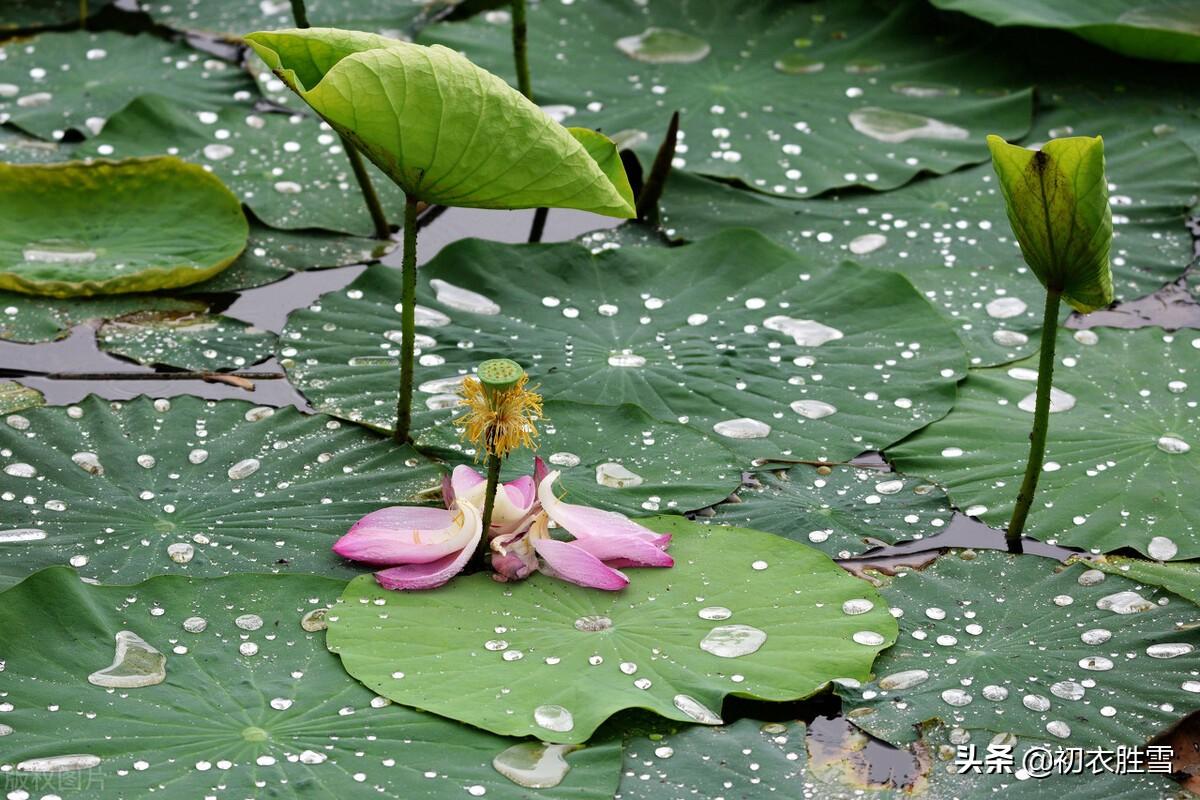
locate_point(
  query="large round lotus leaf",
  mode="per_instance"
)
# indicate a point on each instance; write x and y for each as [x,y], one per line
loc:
[1167,30]
[78,80]
[950,234]
[206,342]
[234,18]
[789,98]
[1182,578]
[28,14]
[126,491]
[1019,645]
[843,513]
[111,227]
[616,458]
[25,318]
[1043,779]
[453,156]
[226,691]
[732,335]
[290,169]
[1121,458]
[741,612]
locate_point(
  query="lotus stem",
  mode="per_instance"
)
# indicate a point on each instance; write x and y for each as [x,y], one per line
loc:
[370,196]
[408,321]
[489,503]
[1041,422]
[520,38]
[539,224]
[656,181]
[83,13]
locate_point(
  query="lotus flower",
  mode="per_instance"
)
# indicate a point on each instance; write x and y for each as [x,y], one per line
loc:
[425,547]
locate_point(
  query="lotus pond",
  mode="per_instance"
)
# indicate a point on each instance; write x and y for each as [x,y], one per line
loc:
[582,399]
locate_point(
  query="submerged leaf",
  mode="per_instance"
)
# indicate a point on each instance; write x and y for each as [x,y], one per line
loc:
[443,129]
[1057,200]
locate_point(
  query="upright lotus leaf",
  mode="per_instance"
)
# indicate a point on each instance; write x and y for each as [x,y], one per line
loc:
[1167,30]
[124,491]
[1180,577]
[443,129]
[1057,200]
[111,227]
[995,643]
[227,691]
[741,613]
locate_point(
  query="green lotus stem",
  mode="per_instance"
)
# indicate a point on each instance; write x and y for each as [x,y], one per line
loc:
[520,38]
[408,321]
[370,196]
[489,503]
[656,181]
[539,224]
[83,12]
[1041,422]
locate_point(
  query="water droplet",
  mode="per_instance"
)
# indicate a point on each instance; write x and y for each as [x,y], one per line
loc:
[805,332]
[249,622]
[59,251]
[616,476]
[869,638]
[924,90]
[1007,338]
[462,299]
[664,46]
[1169,650]
[1173,444]
[20,470]
[867,243]
[136,664]
[244,469]
[995,693]
[1006,307]
[1096,663]
[742,428]
[907,679]
[180,552]
[1068,690]
[1058,728]
[198,456]
[714,613]
[1091,577]
[195,624]
[217,152]
[66,763]
[732,641]
[89,463]
[1124,603]
[281,703]
[813,409]
[895,127]
[22,535]
[858,605]
[314,620]
[535,765]
[1095,636]
[956,697]
[593,623]
[696,710]
[1162,549]
[626,360]
[554,718]
[798,64]
[1059,401]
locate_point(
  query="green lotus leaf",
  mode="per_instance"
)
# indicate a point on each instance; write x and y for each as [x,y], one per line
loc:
[741,612]
[112,227]
[443,129]
[33,14]
[125,491]
[77,80]
[16,397]
[26,318]
[1180,577]
[1167,30]
[1057,200]
[1121,454]
[229,19]
[1017,644]
[233,696]
[205,342]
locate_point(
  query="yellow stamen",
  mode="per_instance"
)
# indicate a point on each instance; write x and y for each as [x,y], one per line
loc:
[500,421]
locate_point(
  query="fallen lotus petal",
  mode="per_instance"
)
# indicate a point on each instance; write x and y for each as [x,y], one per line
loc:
[433,574]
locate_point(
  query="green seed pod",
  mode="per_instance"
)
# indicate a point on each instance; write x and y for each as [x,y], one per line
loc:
[1057,200]
[498,374]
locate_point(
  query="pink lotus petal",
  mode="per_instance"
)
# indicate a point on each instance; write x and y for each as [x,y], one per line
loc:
[434,573]
[522,492]
[572,563]
[407,535]
[513,557]
[539,470]
[447,491]
[467,483]
[607,534]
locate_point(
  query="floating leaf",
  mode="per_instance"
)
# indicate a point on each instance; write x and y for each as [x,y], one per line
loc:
[109,227]
[734,336]
[25,318]
[1057,198]
[950,236]
[1182,578]
[53,95]
[18,148]
[290,169]
[251,704]
[1010,644]
[791,99]
[125,491]
[15,397]
[843,513]
[1120,461]
[32,14]
[1168,30]
[741,612]
[233,18]
[542,163]
[204,342]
